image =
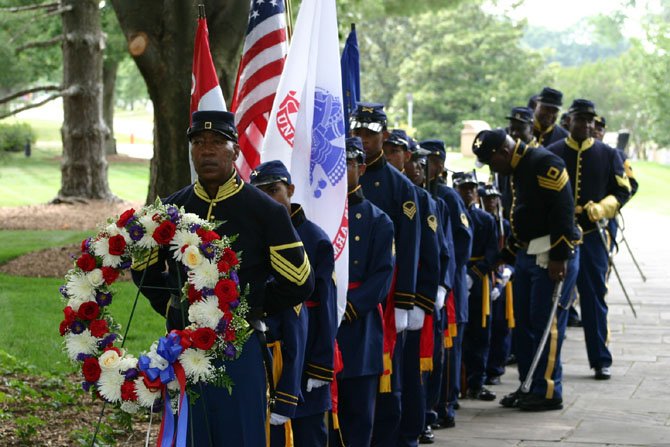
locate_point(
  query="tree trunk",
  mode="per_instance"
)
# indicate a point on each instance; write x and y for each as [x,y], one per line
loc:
[84,168]
[109,70]
[160,36]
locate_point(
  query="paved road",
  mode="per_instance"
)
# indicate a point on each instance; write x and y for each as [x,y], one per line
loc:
[631,409]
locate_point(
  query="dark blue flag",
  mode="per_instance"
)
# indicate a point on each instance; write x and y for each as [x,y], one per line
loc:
[351,75]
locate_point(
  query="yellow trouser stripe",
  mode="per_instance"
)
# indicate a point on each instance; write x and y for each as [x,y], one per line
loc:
[551,358]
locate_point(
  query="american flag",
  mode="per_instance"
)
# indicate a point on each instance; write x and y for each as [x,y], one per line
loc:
[258,75]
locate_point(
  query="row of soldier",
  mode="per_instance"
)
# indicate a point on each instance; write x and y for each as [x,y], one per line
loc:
[430,291]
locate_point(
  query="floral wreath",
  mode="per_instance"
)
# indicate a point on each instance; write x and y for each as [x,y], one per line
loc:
[217,329]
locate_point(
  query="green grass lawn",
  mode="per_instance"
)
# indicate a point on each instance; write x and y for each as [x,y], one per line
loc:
[34,180]
[32,309]
[15,243]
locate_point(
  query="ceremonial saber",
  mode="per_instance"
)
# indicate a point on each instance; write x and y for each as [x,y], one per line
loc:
[556,296]
[630,251]
[603,238]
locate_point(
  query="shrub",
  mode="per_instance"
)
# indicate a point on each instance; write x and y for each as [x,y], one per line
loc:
[13,137]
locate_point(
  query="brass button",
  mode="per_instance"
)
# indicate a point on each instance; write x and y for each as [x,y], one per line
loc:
[377,184]
[358,215]
[356,262]
[357,238]
[214,204]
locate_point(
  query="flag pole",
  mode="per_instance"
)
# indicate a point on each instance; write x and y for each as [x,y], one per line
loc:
[201,11]
[289,19]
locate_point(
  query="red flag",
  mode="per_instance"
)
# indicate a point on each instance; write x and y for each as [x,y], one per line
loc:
[206,92]
[263,56]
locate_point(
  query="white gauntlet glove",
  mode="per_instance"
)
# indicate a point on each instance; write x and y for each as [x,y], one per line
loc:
[495,293]
[468,281]
[415,320]
[440,298]
[505,275]
[401,320]
[313,384]
[278,419]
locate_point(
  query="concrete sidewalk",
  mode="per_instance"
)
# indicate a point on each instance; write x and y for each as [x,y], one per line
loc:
[631,409]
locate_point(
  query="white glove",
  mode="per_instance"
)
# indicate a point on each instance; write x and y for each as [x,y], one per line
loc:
[415,320]
[542,259]
[313,384]
[440,298]
[278,419]
[495,293]
[401,320]
[505,275]
[468,281]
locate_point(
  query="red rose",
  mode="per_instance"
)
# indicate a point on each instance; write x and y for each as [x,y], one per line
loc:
[152,384]
[193,294]
[64,325]
[226,290]
[70,315]
[207,235]
[84,245]
[98,328]
[229,335]
[88,311]
[91,369]
[203,338]
[117,244]
[125,217]
[230,257]
[109,274]
[164,233]
[86,262]
[223,266]
[128,391]
[184,338]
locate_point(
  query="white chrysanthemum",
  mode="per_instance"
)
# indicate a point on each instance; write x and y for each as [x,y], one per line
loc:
[192,257]
[145,396]
[127,362]
[101,248]
[188,219]
[205,313]
[149,225]
[130,407]
[110,360]
[197,365]
[83,343]
[80,288]
[109,385]
[204,275]
[95,277]
[181,238]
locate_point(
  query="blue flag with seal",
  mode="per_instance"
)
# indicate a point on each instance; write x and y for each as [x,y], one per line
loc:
[351,74]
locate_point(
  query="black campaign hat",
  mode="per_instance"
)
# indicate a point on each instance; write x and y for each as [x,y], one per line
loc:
[464,178]
[582,106]
[398,137]
[601,121]
[434,147]
[489,191]
[522,114]
[354,149]
[486,142]
[369,115]
[550,97]
[214,120]
[270,172]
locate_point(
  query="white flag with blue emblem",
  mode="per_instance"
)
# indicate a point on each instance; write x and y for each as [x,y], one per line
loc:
[306,129]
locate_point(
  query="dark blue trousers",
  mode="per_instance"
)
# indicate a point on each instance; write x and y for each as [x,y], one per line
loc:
[413,405]
[592,287]
[310,431]
[388,409]
[217,418]
[451,379]
[501,339]
[356,409]
[477,338]
[532,306]
[433,380]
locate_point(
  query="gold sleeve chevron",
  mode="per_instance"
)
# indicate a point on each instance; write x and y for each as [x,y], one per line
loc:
[622,180]
[145,261]
[628,169]
[279,259]
[409,208]
[554,179]
[432,223]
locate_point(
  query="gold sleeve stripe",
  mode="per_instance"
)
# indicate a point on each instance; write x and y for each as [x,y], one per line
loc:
[623,181]
[279,399]
[432,223]
[409,208]
[351,310]
[277,248]
[409,295]
[628,169]
[312,365]
[288,396]
[319,376]
[563,239]
[556,184]
[477,272]
[297,275]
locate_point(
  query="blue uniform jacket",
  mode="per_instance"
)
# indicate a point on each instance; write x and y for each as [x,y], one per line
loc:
[273,262]
[393,193]
[360,336]
[428,275]
[289,328]
[595,171]
[461,229]
[485,242]
[549,136]
[446,243]
[322,310]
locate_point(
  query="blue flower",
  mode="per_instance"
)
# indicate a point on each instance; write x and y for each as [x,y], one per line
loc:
[77,327]
[107,340]
[208,250]
[131,374]
[230,351]
[86,386]
[173,214]
[136,232]
[103,298]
